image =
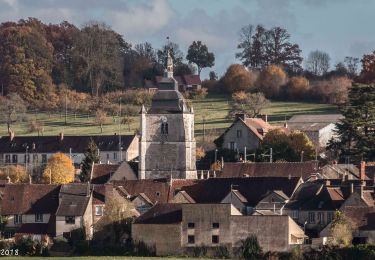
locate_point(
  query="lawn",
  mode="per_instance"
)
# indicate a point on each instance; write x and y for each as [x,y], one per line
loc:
[213,111]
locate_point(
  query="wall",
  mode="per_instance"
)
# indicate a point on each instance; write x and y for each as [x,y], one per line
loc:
[29,218]
[165,237]
[248,139]
[133,149]
[61,227]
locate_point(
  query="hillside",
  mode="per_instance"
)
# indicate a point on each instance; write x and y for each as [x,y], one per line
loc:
[213,110]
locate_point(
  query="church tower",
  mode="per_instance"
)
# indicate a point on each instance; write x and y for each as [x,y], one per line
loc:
[167,143]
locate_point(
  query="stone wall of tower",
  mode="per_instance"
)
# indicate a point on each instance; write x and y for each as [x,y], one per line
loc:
[173,155]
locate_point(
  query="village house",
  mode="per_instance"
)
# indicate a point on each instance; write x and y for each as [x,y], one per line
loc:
[34,151]
[189,226]
[319,128]
[30,210]
[103,173]
[244,132]
[185,83]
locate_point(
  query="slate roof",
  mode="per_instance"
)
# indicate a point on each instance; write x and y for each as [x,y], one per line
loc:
[53,144]
[102,172]
[29,199]
[34,228]
[181,80]
[167,101]
[307,127]
[74,199]
[327,118]
[264,169]
[156,190]
[214,190]
[161,213]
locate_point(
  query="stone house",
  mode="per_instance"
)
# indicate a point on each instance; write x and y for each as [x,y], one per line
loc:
[319,128]
[244,132]
[34,151]
[30,210]
[98,202]
[75,209]
[103,173]
[188,226]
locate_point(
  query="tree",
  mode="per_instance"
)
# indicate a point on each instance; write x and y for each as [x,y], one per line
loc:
[318,62]
[184,69]
[356,138]
[127,120]
[291,148]
[250,104]
[261,47]
[238,78]
[12,108]
[297,88]
[100,119]
[174,51]
[351,65]
[200,153]
[16,173]
[341,229]
[212,75]
[199,55]
[59,169]
[91,156]
[270,79]
[36,126]
[367,74]
[250,248]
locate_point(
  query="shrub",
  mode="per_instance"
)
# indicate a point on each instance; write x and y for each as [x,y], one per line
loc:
[250,248]
[29,247]
[222,252]
[140,248]
[200,251]
[200,94]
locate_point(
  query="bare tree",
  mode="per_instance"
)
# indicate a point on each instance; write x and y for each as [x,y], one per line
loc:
[250,104]
[351,65]
[100,119]
[318,62]
[12,107]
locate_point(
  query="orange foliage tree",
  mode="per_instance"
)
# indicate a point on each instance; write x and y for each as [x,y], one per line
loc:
[238,78]
[17,174]
[297,87]
[270,79]
[59,169]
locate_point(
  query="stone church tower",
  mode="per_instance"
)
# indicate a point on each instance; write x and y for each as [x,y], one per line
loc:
[167,143]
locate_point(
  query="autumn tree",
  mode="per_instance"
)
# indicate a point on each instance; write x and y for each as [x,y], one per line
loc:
[341,229]
[297,88]
[100,119]
[270,80]
[199,55]
[59,169]
[293,147]
[367,74]
[250,104]
[12,107]
[16,174]
[238,78]
[91,157]
[36,126]
[200,153]
[332,91]
[127,120]
[318,62]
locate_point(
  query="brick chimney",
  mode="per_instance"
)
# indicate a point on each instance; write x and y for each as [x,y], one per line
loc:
[362,171]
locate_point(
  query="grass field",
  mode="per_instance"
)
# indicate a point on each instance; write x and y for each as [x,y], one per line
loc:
[213,110]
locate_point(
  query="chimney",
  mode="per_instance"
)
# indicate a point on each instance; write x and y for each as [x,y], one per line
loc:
[11,135]
[61,136]
[361,190]
[241,115]
[362,172]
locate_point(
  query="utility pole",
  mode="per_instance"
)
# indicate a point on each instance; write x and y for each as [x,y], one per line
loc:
[204,128]
[66,109]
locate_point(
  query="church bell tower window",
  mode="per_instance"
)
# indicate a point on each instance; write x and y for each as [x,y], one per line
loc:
[164,128]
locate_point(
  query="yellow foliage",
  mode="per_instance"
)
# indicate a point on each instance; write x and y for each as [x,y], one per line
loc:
[59,169]
[200,153]
[298,87]
[216,166]
[17,174]
[299,142]
[271,79]
[276,136]
[238,78]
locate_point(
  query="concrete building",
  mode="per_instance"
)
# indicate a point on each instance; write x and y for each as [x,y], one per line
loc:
[319,128]
[167,143]
[189,226]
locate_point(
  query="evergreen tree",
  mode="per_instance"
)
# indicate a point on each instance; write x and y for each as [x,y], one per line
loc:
[91,156]
[356,135]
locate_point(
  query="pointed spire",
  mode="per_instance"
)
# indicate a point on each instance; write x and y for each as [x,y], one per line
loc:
[169,69]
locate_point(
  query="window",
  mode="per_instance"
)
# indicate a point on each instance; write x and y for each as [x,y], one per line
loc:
[215,225]
[329,216]
[320,217]
[7,158]
[107,156]
[70,219]
[14,158]
[114,156]
[295,214]
[311,217]
[38,217]
[191,225]
[98,210]
[17,219]
[191,239]
[215,239]
[164,128]
[232,145]
[44,158]
[239,133]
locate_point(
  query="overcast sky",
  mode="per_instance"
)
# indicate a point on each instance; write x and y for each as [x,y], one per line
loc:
[339,27]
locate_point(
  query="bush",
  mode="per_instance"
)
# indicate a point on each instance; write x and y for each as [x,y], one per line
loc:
[200,94]
[200,251]
[29,247]
[250,248]
[222,252]
[139,248]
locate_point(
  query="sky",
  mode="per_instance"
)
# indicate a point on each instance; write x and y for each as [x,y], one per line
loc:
[338,27]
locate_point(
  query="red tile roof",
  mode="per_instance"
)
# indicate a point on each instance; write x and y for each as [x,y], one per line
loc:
[102,172]
[98,194]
